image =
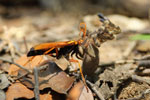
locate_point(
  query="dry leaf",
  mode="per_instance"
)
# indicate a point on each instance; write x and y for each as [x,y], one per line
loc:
[3,81]
[62,63]
[90,61]
[79,92]
[13,70]
[60,83]
[86,95]
[51,77]
[18,90]
[46,97]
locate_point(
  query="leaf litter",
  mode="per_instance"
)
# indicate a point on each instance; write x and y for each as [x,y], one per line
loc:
[110,80]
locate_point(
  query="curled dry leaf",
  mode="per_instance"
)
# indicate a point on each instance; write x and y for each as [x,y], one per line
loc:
[91,60]
[18,90]
[50,77]
[3,81]
[13,70]
[79,92]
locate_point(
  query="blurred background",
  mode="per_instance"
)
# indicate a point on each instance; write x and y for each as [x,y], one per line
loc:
[25,23]
[135,8]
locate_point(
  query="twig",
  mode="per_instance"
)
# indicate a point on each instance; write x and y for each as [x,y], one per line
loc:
[147,91]
[145,31]
[140,60]
[93,87]
[36,87]
[107,64]
[18,53]
[102,67]
[4,60]
[144,63]
[25,43]
[12,50]
[146,57]
[140,79]
[129,49]
[118,62]
[19,77]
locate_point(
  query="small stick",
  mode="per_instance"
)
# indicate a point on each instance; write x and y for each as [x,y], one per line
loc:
[36,87]
[39,68]
[140,79]
[25,43]
[129,49]
[113,63]
[93,87]
[144,63]
[4,60]
[145,58]
[118,62]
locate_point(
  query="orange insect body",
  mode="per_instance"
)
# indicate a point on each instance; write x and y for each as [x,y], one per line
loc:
[59,49]
[56,49]
[57,44]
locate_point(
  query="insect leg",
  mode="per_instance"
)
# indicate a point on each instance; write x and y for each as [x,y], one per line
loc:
[73,60]
[46,52]
[30,59]
[82,28]
[56,52]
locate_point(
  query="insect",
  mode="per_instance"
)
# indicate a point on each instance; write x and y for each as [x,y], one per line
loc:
[59,49]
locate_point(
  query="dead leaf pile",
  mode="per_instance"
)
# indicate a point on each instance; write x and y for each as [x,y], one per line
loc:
[54,83]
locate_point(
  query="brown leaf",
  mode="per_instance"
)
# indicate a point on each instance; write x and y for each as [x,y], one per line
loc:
[90,61]
[18,90]
[51,77]
[61,83]
[46,97]
[62,63]
[79,92]
[13,70]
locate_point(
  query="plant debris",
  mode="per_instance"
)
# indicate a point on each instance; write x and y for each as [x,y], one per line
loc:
[88,67]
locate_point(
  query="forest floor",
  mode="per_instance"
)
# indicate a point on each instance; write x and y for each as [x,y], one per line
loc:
[124,62]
